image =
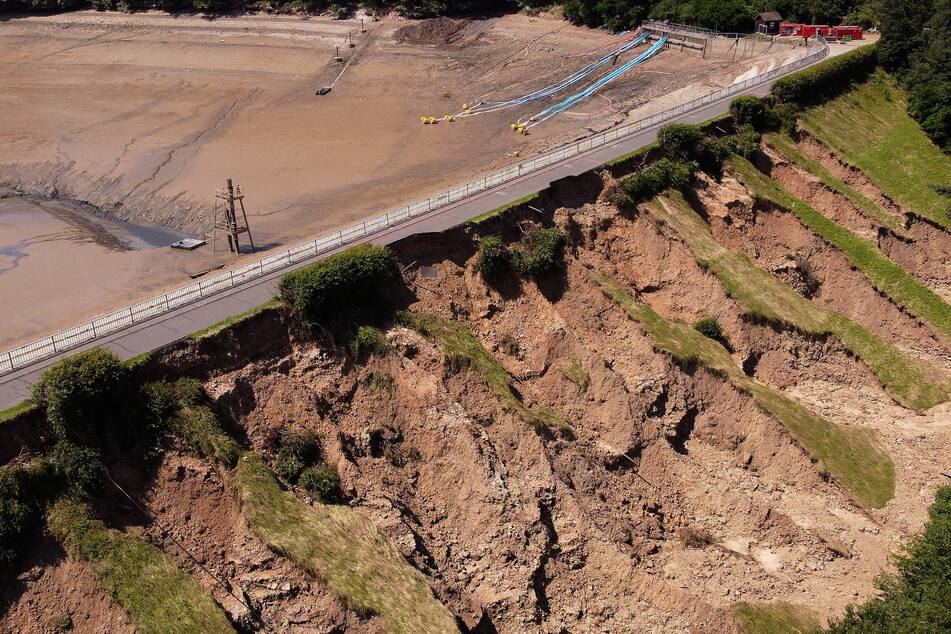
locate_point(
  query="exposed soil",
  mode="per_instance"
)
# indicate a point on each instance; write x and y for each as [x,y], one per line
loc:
[53,591]
[678,498]
[927,255]
[777,241]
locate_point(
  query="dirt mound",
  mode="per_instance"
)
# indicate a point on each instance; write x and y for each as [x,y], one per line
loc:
[432,31]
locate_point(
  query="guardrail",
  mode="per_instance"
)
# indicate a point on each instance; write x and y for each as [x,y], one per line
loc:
[656,24]
[137,313]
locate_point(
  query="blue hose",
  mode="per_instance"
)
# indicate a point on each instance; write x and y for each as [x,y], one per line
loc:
[550,112]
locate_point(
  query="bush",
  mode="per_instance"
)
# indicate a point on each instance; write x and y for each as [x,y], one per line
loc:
[493,258]
[754,112]
[324,482]
[25,490]
[826,79]
[82,394]
[347,279]
[545,252]
[79,467]
[681,140]
[298,451]
[644,185]
[380,382]
[709,328]
[746,143]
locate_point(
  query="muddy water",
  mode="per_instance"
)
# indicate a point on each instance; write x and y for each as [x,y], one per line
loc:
[60,265]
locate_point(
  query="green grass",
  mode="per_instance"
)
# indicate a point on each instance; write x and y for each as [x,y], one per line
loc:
[498,210]
[158,597]
[20,408]
[870,127]
[775,618]
[214,329]
[464,352]
[885,275]
[342,547]
[137,360]
[852,455]
[765,297]
[787,147]
[574,372]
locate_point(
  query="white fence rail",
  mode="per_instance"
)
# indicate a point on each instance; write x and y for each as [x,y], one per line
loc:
[137,313]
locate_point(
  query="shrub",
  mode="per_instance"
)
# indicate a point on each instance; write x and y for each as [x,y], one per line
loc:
[81,393]
[368,341]
[493,258]
[545,252]
[324,482]
[650,181]
[709,328]
[79,467]
[347,279]
[746,143]
[826,79]
[681,140]
[755,112]
[298,451]
[379,381]
[25,490]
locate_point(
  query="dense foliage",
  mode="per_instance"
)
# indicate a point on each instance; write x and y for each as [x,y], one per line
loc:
[916,45]
[721,15]
[650,181]
[541,253]
[544,252]
[918,598]
[828,79]
[344,281]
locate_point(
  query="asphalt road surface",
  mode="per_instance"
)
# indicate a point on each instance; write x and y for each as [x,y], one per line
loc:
[169,327]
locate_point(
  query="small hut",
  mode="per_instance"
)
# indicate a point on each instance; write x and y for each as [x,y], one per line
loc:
[768,23]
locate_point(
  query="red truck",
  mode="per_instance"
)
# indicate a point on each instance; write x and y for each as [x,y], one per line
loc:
[810,30]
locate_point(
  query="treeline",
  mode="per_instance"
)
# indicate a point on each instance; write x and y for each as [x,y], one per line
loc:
[916,46]
[614,15]
[722,15]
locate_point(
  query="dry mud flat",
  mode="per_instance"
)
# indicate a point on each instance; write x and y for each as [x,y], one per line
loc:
[145,115]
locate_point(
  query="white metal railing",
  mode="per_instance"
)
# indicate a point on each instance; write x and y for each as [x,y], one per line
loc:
[106,324]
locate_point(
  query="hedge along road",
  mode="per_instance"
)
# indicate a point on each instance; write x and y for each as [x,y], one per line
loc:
[166,328]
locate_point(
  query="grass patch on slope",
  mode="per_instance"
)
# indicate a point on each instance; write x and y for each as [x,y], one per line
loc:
[524,200]
[464,352]
[787,147]
[885,275]
[852,455]
[334,543]
[775,618]
[214,329]
[764,296]
[345,549]
[22,407]
[870,127]
[158,597]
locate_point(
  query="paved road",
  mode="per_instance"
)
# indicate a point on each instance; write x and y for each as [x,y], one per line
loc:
[165,329]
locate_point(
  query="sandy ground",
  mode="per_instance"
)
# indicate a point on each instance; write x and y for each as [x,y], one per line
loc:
[144,115]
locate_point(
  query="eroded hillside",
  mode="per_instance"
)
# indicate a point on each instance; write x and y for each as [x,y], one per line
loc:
[559,448]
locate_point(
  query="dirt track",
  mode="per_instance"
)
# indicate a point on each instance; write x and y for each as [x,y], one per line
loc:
[144,115]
